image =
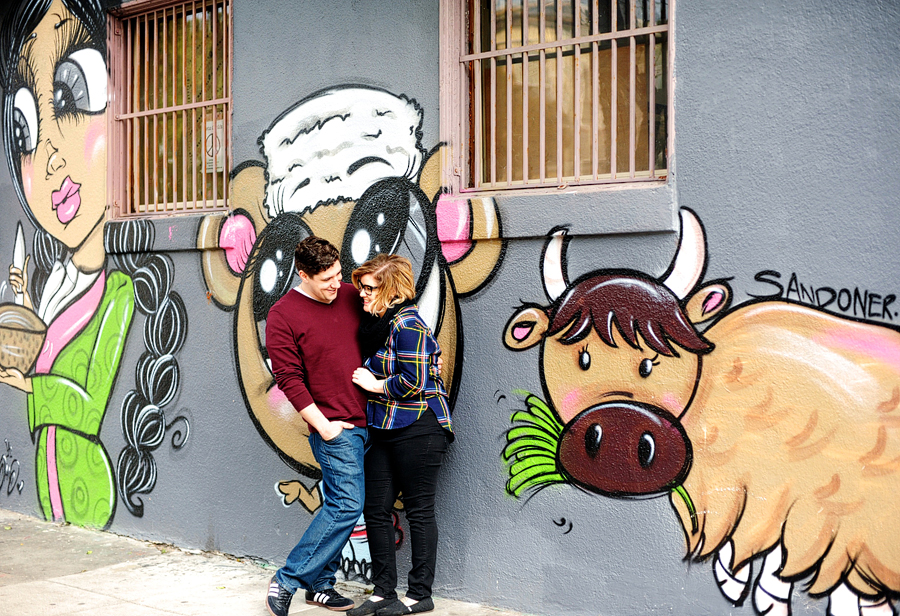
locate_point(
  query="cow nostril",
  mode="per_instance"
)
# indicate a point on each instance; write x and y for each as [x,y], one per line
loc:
[646,450]
[592,439]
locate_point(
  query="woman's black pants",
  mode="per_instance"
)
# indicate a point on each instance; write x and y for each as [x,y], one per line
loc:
[395,463]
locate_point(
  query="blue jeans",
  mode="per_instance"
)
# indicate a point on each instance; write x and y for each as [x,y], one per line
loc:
[313,562]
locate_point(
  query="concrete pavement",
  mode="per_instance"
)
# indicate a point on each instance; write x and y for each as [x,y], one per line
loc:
[49,569]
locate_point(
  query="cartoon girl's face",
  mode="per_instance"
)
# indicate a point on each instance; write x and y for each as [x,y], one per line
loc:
[59,127]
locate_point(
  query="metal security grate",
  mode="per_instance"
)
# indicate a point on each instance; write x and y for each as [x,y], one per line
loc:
[171,70]
[566,92]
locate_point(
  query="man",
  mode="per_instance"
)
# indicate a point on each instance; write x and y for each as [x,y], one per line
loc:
[311,337]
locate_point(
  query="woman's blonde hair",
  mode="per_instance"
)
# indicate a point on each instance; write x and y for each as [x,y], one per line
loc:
[393,275]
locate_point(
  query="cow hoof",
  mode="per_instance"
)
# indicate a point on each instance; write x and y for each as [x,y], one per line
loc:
[878,607]
[843,601]
[733,585]
[769,605]
[772,595]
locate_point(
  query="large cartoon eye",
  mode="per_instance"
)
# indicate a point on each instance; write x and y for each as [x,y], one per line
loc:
[646,367]
[393,216]
[80,83]
[584,359]
[25,124]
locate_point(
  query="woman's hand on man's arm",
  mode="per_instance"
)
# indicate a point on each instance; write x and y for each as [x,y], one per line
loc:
[367,381]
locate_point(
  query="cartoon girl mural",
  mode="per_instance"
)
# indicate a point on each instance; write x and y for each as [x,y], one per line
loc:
[54,79]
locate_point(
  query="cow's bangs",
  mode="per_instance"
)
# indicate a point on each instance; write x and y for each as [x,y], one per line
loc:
[635,304]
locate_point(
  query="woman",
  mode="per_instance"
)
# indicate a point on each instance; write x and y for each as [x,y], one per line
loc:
[54,78]
[409,430]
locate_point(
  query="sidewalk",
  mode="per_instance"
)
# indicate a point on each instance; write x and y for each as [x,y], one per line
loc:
[52,570]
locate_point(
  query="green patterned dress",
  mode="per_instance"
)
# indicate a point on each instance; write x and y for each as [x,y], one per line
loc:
[72,381]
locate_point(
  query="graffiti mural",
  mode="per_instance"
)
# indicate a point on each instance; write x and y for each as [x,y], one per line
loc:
[347,164]
[9,472]
[773,431]
[857,303]
[76,310]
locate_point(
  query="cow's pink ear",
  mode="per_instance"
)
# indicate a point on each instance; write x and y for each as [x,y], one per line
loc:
[526,328]
[708,302]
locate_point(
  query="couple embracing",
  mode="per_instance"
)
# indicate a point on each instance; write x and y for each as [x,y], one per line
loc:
[346,365]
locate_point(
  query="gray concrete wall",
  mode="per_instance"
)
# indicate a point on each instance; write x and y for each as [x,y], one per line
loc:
[787,124]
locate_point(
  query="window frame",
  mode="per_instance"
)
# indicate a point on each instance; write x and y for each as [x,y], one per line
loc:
[457,123]
[117,164]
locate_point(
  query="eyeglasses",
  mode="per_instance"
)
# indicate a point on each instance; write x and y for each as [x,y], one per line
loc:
[368,290]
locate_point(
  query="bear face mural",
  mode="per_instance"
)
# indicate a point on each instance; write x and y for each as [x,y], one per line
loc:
[346,164]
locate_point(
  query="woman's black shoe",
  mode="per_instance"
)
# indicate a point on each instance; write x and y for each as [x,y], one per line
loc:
[398,608]
[368,608]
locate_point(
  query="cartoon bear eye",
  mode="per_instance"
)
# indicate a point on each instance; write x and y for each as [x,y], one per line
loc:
[79,84]
[584,359]
[25,123]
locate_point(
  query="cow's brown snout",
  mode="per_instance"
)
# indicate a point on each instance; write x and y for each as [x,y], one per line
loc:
[625,448]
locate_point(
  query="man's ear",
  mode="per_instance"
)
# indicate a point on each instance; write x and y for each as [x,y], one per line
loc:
[303,276]
[708,302]
[526,328]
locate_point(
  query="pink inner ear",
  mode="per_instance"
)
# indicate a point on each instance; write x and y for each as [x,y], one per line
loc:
[237,238]
[520,332]
[713,301]
[453,222]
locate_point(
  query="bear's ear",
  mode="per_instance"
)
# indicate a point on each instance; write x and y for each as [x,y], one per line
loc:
[526,328]
[708,302]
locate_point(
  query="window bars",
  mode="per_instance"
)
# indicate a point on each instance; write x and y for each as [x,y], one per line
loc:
[566,92]
[171,71]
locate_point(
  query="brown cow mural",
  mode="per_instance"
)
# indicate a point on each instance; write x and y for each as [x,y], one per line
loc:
[775,432]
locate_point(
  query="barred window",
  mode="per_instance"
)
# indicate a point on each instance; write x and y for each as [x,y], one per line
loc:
[560,92]
[170,70]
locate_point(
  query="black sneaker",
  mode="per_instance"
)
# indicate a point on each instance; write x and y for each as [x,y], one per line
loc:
[329,598]
[279,600]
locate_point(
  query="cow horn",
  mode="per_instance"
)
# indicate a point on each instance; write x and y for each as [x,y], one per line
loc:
[687,267]
[553,269]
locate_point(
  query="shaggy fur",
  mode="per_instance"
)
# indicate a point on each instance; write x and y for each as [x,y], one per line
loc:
[796,436]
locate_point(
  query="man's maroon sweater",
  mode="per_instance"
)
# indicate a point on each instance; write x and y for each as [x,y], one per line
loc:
[314,348]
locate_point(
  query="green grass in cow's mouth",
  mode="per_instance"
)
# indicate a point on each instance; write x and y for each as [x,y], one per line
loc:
[531,447]
[692,511]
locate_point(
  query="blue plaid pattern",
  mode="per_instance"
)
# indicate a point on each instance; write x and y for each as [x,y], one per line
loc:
[408,363]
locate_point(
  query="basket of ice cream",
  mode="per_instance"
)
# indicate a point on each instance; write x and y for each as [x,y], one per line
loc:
[22,335]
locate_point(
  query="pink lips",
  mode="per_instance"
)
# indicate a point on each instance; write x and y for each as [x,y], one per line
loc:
[66,200]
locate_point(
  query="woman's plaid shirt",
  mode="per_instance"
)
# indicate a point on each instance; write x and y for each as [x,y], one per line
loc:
[407,362]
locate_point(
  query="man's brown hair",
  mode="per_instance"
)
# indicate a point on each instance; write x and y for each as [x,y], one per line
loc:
[314,255]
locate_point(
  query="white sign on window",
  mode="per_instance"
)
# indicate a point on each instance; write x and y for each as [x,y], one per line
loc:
[213,146]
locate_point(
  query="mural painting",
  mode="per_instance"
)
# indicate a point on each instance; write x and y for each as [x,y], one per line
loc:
[73,310]
[9,472]
[860,303]
[773,432]
[347,164]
